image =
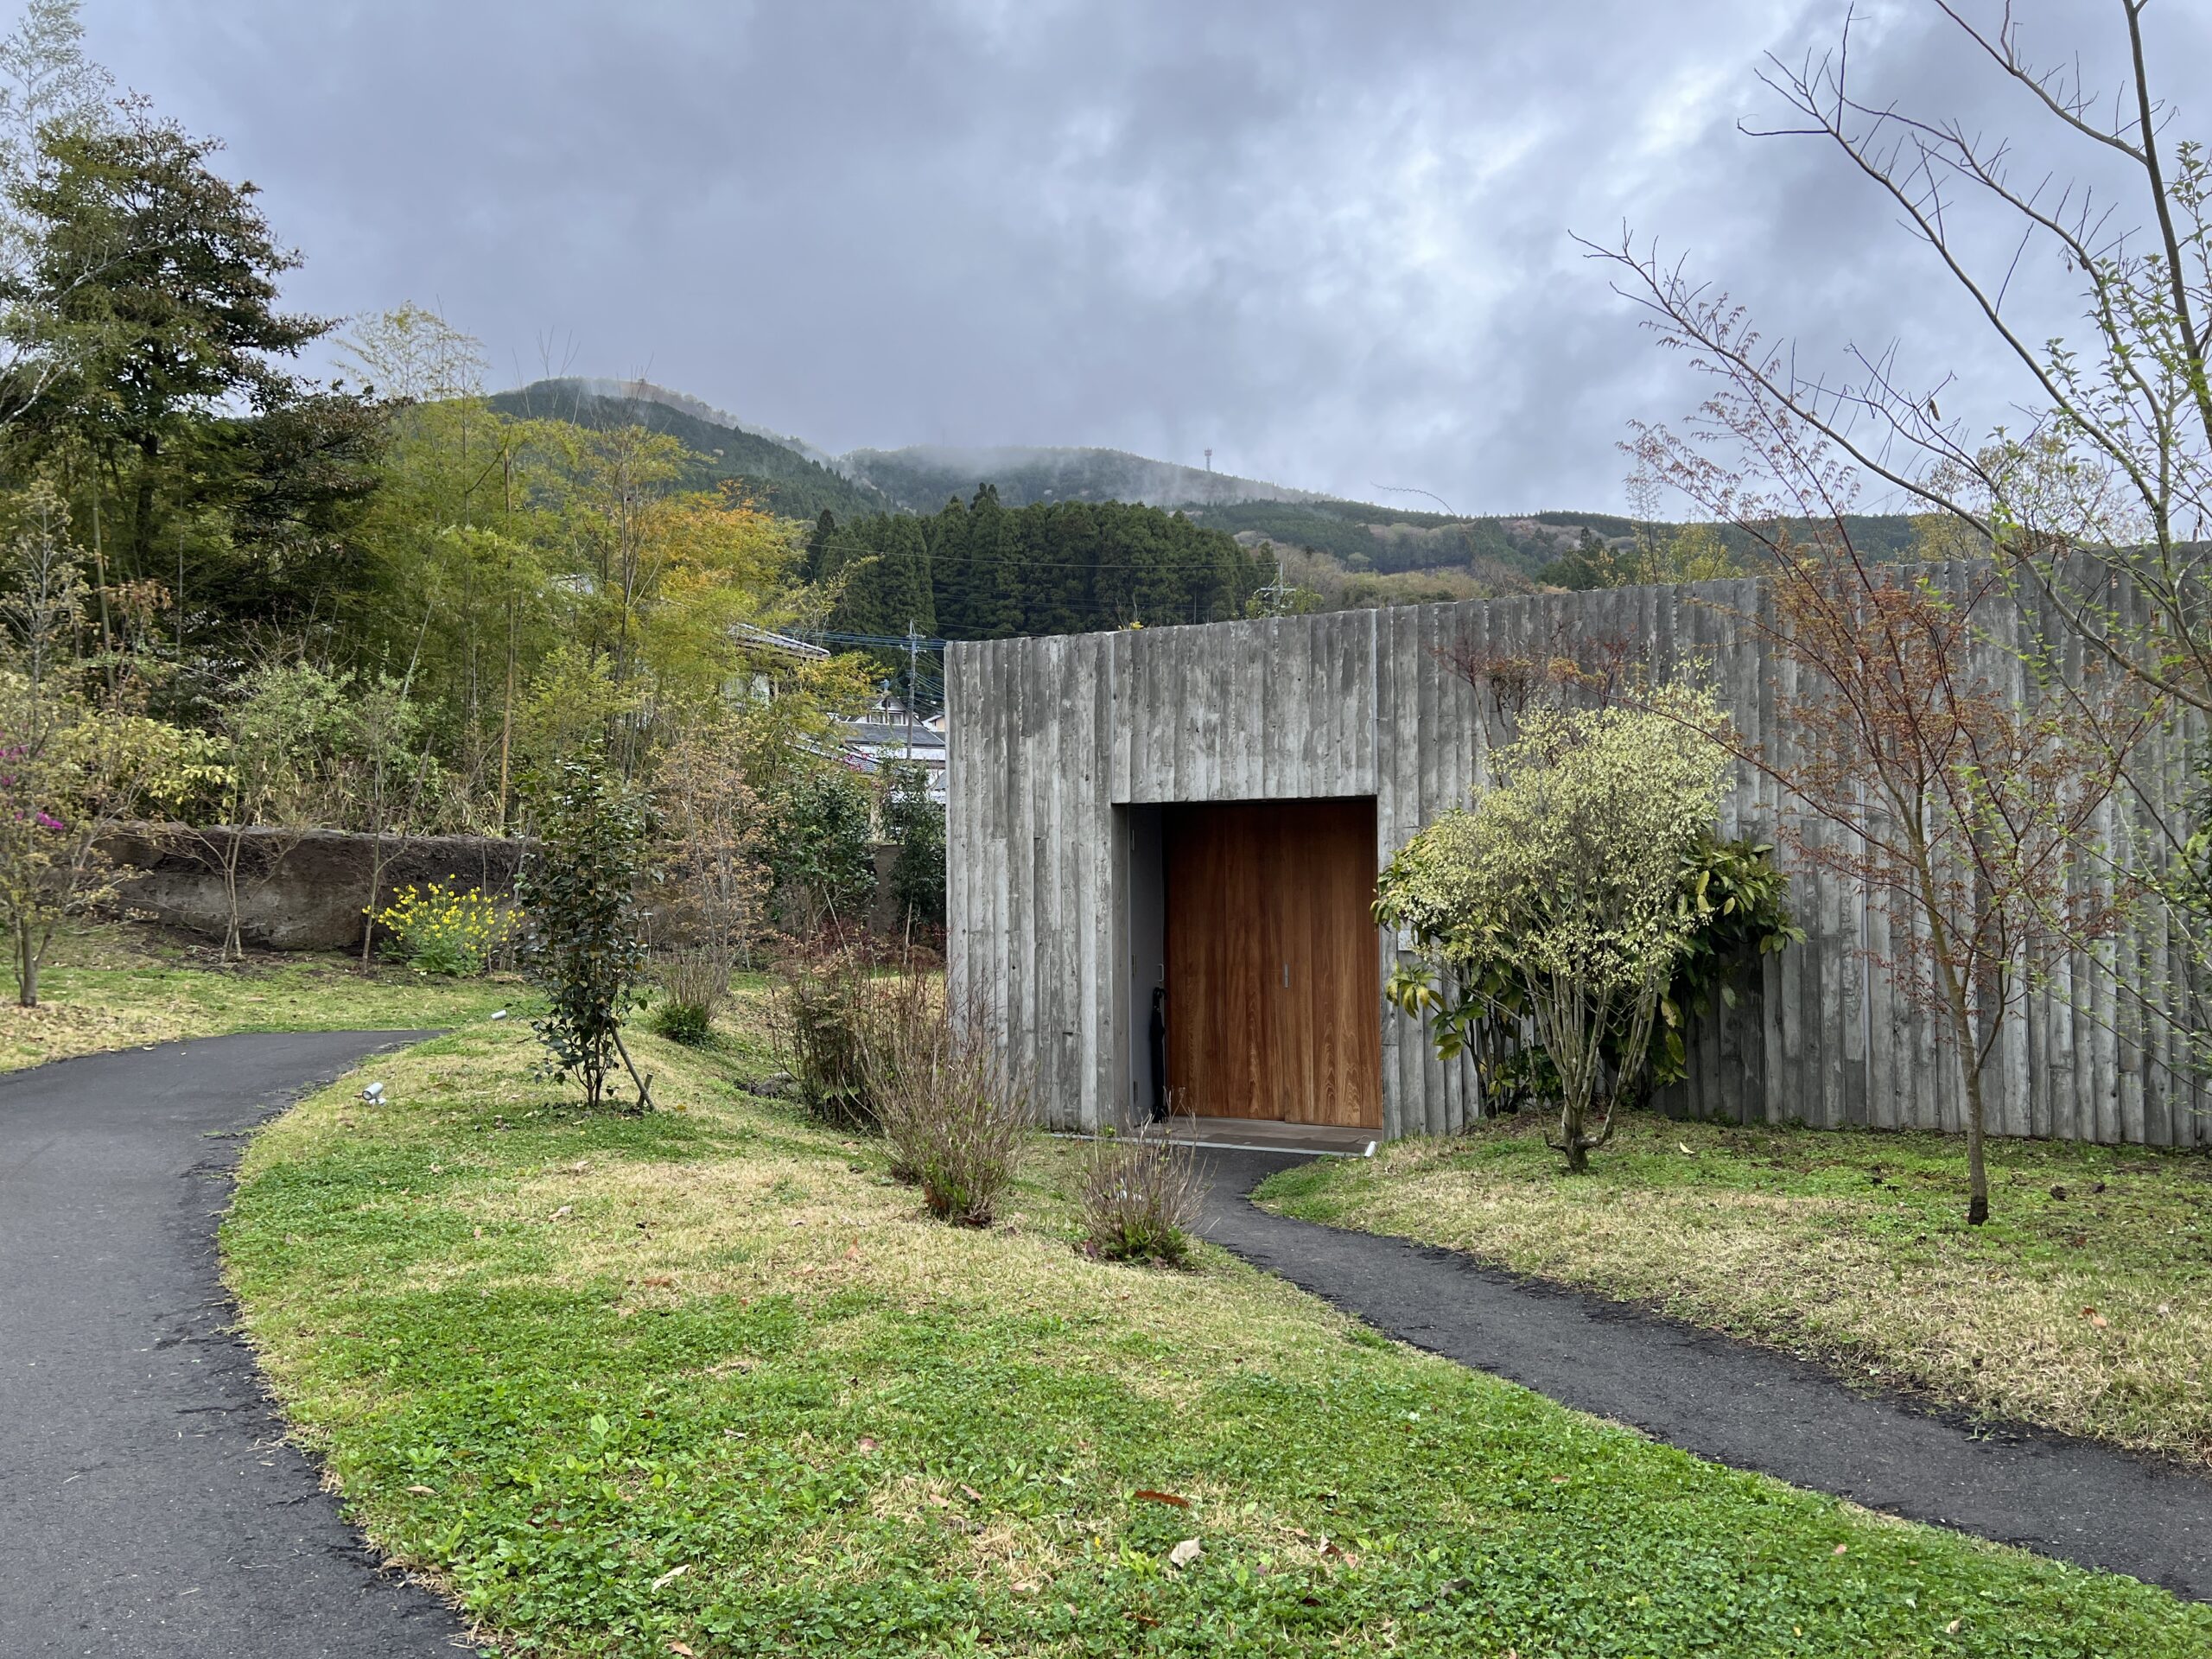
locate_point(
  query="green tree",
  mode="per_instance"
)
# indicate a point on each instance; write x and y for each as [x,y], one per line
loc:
[1570,867]
[904,586]
[469,520]
[948,544]
[990,584]
[148,304]
[822,561]
[824,860]
[1591,562]
[916,823]
[584,948]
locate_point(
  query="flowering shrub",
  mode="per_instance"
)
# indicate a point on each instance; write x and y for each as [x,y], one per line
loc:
[442,930]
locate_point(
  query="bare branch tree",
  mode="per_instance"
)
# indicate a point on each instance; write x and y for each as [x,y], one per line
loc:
[2113,458]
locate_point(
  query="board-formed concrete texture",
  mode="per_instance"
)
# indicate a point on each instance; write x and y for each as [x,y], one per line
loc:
[1063,749]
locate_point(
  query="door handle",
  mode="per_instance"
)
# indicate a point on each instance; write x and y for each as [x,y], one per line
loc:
[1285,976]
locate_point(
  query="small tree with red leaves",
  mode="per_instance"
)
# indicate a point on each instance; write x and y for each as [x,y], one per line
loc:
[1965,771]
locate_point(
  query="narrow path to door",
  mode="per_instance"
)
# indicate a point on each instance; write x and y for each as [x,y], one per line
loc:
[1734,1403]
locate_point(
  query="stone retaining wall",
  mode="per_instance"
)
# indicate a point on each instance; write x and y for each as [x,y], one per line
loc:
[305,890]
[297,891]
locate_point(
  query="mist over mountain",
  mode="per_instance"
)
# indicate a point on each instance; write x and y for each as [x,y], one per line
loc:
[922,476]
[1368,544]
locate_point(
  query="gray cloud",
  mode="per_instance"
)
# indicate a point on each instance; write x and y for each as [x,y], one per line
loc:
[1330,242]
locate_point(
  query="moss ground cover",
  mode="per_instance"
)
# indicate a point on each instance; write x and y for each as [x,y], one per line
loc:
[2085,1304]
[119,985]
[706,1384]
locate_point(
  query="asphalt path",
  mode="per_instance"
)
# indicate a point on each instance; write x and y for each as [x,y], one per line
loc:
[1736,1403]
[149,1504]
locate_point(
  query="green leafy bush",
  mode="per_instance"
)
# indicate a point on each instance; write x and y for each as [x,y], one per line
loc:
[583,949]
[1735,901]
[916,822]
[1556,907]
[684,1022]
[823,861]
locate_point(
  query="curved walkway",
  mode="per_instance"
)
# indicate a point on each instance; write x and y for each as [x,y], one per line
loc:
[1735,1403]
[148,1502]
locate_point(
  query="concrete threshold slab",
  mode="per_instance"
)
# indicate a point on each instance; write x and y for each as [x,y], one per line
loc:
[1260,1134]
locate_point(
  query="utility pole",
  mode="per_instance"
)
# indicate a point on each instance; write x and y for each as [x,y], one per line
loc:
[914,676]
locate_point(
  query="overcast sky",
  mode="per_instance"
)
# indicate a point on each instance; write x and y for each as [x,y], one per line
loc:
[1330,241]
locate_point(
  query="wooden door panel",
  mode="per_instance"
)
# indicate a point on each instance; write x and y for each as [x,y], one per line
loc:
[1272,1000]
[1218,1010]
[1342,999]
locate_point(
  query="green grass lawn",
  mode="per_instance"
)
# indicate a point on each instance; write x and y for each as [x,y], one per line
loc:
[2085,1304]
[707,1384]
[119,985]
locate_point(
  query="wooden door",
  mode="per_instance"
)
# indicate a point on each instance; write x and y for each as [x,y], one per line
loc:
[1273,1003]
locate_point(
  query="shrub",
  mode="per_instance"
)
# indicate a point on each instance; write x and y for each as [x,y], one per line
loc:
[821,1014]
[1569,872]
[684,1022]
[955,1111]
[822,862]
[916,822]
[1140,1199]
[580,893]
[694,983]
[440,929]
[1733,900]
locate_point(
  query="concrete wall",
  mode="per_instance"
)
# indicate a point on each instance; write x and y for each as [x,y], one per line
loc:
[1053,739]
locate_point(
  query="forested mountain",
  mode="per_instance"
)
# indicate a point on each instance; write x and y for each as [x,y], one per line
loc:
[1497,552]
[1501,551]
[775,473]
[921,478]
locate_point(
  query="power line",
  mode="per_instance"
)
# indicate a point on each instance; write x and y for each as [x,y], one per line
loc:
[936,558]
[828,634]
[1408,489]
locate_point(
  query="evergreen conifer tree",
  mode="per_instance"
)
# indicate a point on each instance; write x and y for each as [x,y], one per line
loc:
[948,551]
[822,548]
